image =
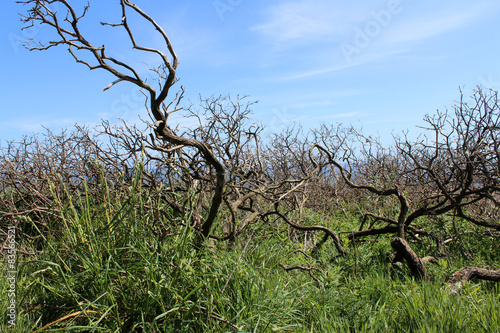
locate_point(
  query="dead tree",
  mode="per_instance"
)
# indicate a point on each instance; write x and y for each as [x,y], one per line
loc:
[453,169]
[66,24]
[255,188]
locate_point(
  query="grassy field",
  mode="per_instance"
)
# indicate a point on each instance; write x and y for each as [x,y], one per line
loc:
[110,227]
[106,267]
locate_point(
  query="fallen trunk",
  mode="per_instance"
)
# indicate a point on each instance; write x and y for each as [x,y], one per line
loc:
[467,273]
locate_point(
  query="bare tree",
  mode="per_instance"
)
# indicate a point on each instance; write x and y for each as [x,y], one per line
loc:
[66,23]
[453,168]
[260,183]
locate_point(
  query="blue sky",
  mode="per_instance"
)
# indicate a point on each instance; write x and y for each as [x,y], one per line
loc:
[381,65]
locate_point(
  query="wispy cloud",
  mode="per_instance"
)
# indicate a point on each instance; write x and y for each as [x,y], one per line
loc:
[338,116]
[428,25]
[293,24]
[310,104]
[320,71]
[341,64]
[303,21]
[37,125]
[307,20]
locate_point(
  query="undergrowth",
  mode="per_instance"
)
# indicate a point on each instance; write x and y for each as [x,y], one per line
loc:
[104,268]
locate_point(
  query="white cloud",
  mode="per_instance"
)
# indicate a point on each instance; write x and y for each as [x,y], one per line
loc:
[294,24]
[338,115]
[342,64]
[310,104]
[305,21]
[319,71]
[34,126]
[428,25]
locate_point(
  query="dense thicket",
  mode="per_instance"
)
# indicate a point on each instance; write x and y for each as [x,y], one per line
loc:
[438,194]
[168,228]
[450,170]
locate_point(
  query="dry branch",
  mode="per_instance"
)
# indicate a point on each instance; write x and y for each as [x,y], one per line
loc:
[416,265]
[328,232]
[467,273]
[302,268]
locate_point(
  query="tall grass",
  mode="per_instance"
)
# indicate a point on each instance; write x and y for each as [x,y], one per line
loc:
[104,268]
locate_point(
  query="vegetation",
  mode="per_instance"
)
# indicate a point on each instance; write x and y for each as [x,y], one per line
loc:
[214,229]
[105,266]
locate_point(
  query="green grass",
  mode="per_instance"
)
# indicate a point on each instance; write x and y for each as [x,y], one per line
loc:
[106,269]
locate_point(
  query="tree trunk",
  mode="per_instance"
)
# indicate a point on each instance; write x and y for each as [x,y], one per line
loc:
[404,250]
[467,273]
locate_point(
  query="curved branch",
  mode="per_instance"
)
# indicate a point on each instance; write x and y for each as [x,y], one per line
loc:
[327,231]
[416,265]
[73,39]
[164,133]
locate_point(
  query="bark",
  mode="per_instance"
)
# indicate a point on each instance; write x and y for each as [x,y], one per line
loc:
[165,133]
[467,273]
[371,232]
[416,265]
